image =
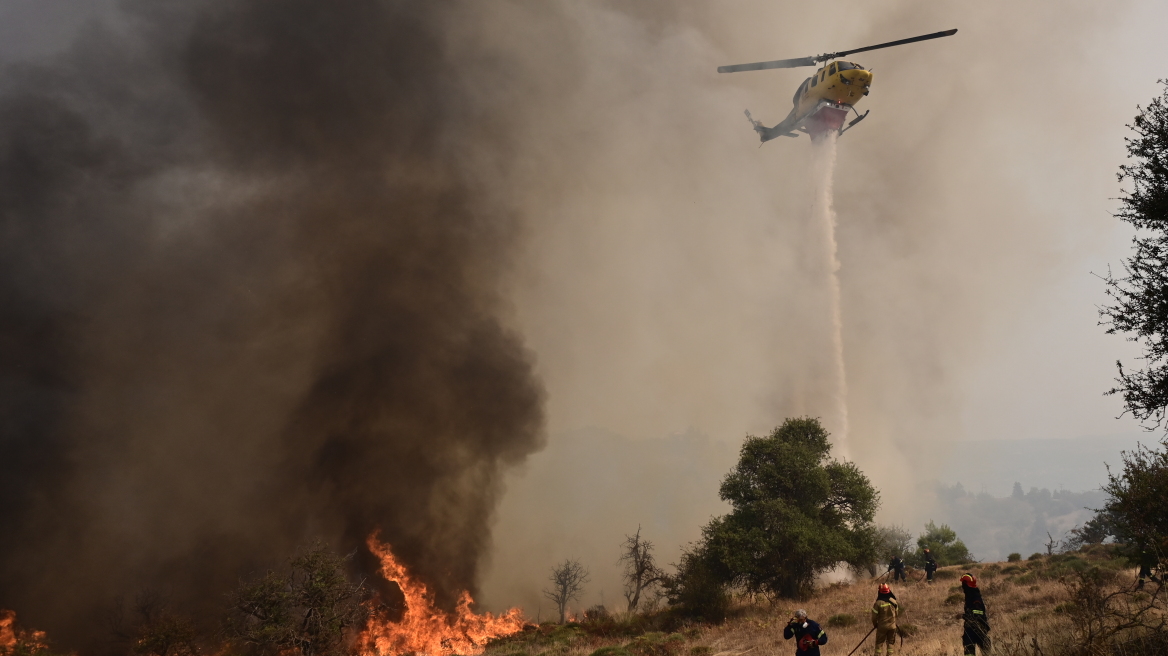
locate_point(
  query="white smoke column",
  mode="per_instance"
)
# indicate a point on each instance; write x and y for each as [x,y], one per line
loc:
[824,168]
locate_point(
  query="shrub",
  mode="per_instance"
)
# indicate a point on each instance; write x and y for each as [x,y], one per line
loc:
[944,574]
[906,630]
[842,620]
[596,613]
[657,644]
[955,598]
[611,650]
[1014,557]
[1035,556]
[700,650]
[307,608]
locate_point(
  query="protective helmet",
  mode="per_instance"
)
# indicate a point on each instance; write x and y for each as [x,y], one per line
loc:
[969,581]
[884,589]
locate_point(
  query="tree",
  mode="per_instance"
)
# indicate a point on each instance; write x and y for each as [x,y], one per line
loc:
[892,541]
[796,513]
[698,589]
[1094,531]
[640,572]
[567,579]
[153,628]
[1137,509]
[1138,300]
[307,608]
[944,544]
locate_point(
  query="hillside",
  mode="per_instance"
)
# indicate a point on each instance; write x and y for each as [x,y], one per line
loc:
[1027,600]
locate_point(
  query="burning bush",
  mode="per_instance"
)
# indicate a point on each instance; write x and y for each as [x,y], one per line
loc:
[15,641]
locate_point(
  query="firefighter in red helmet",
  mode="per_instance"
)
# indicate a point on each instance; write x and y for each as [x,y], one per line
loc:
[930,565]
[976,621]
[884,613]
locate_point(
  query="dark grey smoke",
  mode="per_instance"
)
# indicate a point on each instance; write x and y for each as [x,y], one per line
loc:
[250,291]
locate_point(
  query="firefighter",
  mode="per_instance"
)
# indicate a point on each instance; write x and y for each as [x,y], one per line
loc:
[976,622]
[1146,563]
[930,565]
[896,566]
[884,619]
[808,636]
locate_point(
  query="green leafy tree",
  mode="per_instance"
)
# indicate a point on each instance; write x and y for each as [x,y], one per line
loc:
[1137,509]
[699,588]
[305,609]
[1139,298]
[796,513]
[944,544]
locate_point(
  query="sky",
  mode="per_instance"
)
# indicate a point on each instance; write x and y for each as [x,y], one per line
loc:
[665,275]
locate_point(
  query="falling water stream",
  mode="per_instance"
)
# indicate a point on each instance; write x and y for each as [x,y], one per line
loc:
[824,168]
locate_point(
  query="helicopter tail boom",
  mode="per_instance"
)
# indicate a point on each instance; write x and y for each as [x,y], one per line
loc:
[825,117]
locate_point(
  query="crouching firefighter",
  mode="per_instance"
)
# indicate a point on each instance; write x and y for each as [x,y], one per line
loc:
[977,623]
[884,620]
[807,634]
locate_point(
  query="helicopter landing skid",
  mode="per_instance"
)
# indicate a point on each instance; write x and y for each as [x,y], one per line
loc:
[853,122]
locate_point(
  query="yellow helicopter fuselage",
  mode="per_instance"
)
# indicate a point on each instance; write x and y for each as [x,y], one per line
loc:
[840,82]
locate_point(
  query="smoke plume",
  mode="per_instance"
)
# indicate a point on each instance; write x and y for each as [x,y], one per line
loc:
[252,276]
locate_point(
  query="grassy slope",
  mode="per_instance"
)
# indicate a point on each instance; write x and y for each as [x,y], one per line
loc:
[1021,598]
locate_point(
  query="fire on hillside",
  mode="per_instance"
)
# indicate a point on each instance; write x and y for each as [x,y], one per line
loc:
[425,629]
[11,636]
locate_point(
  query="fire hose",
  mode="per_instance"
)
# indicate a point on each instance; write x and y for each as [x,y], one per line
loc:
[862,641]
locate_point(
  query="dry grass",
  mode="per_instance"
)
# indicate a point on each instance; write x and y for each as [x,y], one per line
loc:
[1022,599]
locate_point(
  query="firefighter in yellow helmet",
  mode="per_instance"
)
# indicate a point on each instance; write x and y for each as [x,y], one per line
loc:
[884,620]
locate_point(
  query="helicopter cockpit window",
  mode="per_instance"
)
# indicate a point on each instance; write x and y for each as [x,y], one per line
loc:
[814,80]
[847,66]
[831,71]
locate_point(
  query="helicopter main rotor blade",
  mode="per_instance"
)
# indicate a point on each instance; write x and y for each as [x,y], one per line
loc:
[812,61]
[762,66]
[925,37]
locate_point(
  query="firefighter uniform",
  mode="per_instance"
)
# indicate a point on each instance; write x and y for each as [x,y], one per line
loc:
[896,566]
[976,621]
[930,565]
[808,636]
[884,613]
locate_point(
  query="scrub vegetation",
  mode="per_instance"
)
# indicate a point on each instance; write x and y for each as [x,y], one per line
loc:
[1071,604]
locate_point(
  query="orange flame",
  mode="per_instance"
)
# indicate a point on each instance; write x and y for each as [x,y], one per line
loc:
[11,636]
[7,630]
[424,629]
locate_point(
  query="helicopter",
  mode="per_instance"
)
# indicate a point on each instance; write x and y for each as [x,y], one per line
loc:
[821,103]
